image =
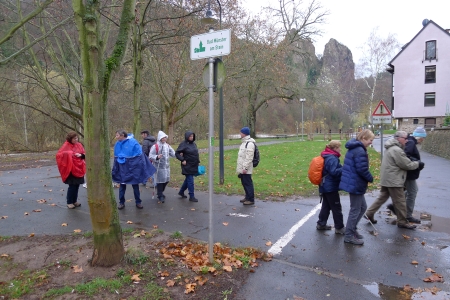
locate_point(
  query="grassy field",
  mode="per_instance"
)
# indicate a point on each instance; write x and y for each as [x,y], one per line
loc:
[281,174]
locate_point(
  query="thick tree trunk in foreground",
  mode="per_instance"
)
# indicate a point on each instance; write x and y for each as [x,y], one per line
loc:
[97,72]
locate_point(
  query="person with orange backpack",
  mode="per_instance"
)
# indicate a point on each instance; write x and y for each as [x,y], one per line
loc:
[329,188]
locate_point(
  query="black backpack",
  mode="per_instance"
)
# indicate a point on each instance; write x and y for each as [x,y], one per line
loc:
[255,160]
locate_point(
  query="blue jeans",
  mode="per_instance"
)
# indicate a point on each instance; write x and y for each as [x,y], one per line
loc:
[411,193]
[188,184]
[358,207]
[72,193]
[137,194]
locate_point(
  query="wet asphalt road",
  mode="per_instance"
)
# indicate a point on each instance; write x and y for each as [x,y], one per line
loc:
[311,264]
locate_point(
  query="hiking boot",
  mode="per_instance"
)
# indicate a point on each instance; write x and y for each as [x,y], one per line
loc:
[391,208]
[371,219]
[121,206]
[182,195]
[70,206]
[340,231]
[139,206]
[242,200]
[406,226]
[353,240]
[247,202]
[323,227]
[358,236]
[77,204]
[413,220]
[193,199]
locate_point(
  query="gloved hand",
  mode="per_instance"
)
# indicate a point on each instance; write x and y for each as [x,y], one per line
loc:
[421,165]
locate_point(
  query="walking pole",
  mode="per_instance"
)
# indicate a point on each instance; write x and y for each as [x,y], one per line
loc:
[367,218]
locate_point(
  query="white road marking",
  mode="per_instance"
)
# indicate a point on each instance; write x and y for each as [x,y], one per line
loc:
[238,215]
[285,239]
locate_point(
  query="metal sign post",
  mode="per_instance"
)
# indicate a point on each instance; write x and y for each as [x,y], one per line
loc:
[381,115]
[210,45]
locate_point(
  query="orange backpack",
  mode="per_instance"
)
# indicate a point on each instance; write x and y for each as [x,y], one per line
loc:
[315,170]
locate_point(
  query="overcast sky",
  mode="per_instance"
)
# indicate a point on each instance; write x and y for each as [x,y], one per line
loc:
[351,21]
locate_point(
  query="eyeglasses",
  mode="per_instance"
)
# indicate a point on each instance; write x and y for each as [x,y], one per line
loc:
[403,137]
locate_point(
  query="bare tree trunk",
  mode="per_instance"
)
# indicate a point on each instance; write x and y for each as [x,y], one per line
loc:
[108,243]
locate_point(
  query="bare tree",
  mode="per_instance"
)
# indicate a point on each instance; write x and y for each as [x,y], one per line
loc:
[377,51]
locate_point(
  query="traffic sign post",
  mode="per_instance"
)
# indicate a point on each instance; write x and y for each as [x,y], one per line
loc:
[381,115]
[210,45]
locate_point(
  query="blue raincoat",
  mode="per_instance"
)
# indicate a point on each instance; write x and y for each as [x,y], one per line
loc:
[131,166]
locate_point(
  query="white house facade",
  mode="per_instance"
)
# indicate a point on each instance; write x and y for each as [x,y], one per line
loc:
[421,79]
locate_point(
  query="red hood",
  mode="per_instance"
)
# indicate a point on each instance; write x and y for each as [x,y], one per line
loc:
[68,162]
[329,151]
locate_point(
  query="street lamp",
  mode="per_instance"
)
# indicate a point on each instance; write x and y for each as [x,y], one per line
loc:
[302,100]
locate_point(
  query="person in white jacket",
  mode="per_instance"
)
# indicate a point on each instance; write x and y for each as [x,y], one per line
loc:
[159,156]
[245,166]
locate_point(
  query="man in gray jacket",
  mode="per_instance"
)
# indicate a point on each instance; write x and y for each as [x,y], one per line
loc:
[393,171]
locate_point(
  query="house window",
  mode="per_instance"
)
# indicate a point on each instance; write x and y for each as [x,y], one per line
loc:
[430,51]
[415,121]
[430,74]
[430,122]
[430,99]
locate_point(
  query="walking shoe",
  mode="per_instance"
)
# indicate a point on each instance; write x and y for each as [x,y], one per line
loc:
[162,199]
[323,227]
[340,231]
[371,219]
[121,206]
[71,206]
[242,200]
[407,226]
[247,202]
[353,240]
[391,208]
[193,199]
[182,195]
[358,236]
[77,204]
[139,206]
[413,220]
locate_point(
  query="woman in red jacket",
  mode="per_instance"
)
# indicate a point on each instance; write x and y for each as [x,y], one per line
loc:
[72,167]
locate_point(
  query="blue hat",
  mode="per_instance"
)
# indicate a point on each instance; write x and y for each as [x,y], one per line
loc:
[419,132]
[245,130]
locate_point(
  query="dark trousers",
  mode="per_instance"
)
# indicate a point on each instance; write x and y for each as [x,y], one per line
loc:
[247,183]
[72,193]
[137,193]
[331,201]
[188,184]
[160,188]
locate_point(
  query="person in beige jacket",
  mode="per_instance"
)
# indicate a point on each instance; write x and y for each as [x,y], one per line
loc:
[245,166]
[393,171]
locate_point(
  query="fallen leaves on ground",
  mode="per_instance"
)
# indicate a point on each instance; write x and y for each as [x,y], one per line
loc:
[129,222]
[430,270]
[31,234]
[4,217]
[77,230]
[77,269]
[225,223]
[37,210]
[195,256]
[136,278]
[414,262]
[41,201]
[434,278]
[64,224]
[269,243]
[406,237]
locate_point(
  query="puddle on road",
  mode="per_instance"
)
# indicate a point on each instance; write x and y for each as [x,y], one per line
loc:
[395,293]
[439,224]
